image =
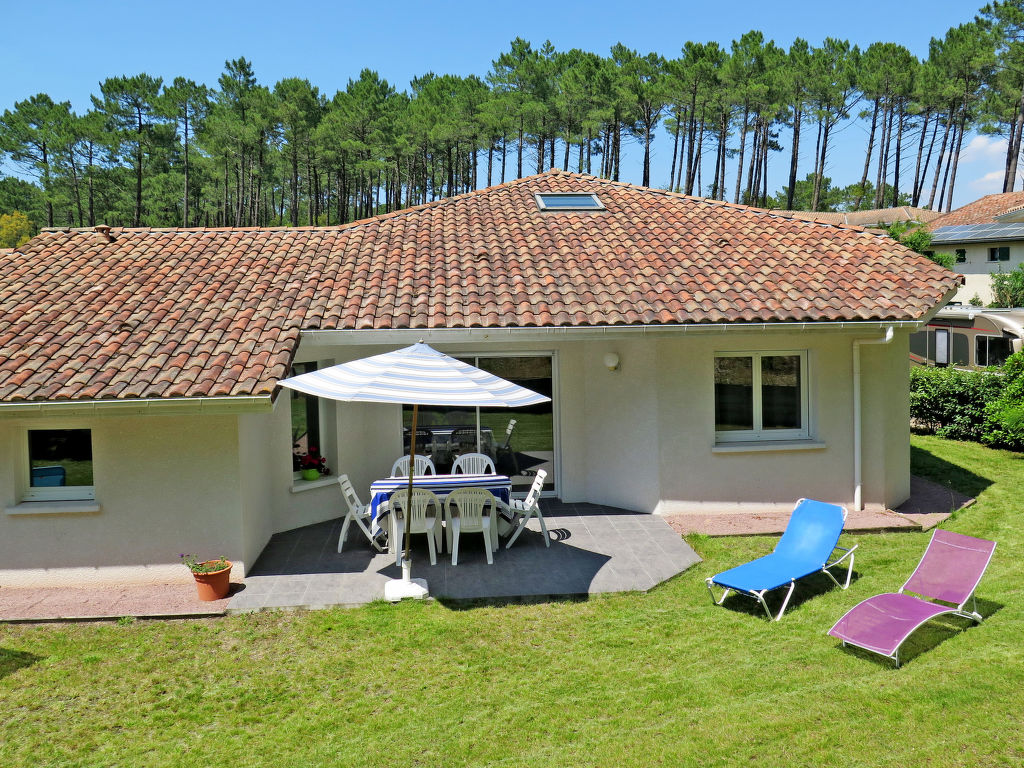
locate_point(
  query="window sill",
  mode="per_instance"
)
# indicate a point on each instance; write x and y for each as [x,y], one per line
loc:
[299,485]
[54,508]
[768,445]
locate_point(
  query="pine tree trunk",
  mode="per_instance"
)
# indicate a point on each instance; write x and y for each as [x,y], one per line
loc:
[743,147]
[896,162]
[915,195]
[939,163]
[956,157]
[793,158]
[675,152]
[867,157]
[883,157]
[1013,148]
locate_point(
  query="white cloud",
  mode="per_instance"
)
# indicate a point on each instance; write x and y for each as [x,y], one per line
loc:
[987,184]
[983,148]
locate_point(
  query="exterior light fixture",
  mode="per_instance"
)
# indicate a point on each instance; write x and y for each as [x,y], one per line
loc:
[611,361]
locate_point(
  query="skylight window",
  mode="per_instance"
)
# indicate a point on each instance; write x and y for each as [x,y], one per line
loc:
[568,201]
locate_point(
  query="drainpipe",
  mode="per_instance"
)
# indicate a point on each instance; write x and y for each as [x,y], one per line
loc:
[858,500]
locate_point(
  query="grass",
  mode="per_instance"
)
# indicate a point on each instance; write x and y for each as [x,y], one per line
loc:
[663,678]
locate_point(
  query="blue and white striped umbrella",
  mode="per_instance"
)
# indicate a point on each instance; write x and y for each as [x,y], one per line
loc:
[416,375]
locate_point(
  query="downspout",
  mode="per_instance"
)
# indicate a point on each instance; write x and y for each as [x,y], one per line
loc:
[858,500]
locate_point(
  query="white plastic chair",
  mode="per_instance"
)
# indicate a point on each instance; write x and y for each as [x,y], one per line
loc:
[473,464]
[470,504]
[530,507]
[419,520]
[424,466]
[357,512]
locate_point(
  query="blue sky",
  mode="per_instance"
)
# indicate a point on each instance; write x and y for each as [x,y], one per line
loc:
[66,48]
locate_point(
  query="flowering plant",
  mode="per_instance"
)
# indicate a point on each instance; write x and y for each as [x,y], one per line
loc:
[310,460]
[196,566]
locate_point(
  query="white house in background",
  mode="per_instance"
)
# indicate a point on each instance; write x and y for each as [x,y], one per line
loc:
[699,355]
[986,236]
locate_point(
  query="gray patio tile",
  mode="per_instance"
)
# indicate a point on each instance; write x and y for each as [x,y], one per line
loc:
[593,549]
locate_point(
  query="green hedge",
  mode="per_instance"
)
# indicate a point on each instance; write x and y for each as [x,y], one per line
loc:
[983,406]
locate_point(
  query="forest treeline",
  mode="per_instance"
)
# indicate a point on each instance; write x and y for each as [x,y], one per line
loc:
[180,153]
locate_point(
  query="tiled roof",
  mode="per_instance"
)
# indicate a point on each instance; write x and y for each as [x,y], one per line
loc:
[870,218]
[210,312]
[981,211]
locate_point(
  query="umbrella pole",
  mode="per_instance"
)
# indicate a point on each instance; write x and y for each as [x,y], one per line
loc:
[412,464]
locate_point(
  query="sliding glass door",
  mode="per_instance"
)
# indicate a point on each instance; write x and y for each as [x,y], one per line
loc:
[521,441]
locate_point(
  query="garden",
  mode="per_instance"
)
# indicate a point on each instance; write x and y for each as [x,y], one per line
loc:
[658,678]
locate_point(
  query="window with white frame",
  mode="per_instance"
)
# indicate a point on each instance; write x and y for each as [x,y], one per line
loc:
[761,396]
[60,465]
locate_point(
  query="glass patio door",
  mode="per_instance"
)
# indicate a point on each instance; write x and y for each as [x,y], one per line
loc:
[445,432]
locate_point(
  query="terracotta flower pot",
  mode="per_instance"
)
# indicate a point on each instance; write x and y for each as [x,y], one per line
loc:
[215,584]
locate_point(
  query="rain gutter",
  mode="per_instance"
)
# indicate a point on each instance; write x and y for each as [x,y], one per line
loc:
[153,405]
[318,338]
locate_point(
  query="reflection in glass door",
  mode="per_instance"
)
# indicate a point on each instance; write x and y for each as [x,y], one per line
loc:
[521,441]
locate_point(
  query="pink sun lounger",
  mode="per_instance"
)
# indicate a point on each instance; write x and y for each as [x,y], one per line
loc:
[949,572]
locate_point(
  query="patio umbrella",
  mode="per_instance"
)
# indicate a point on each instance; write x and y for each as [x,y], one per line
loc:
[416,375]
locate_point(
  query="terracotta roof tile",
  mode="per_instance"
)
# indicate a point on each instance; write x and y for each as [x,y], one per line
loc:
[207,312]
[981,211]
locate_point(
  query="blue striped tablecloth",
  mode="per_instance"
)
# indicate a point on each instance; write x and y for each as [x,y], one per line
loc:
[441,486]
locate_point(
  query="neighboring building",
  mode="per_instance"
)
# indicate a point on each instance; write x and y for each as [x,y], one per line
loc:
[140,414]
[985,236]
[874,219]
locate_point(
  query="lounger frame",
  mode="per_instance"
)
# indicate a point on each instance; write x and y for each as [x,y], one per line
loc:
[958,610]
[759,594]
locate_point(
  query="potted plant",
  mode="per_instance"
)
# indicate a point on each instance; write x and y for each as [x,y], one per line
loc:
[213,577]
[311,465]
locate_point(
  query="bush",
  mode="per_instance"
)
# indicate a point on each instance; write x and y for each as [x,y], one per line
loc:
[1005,414]
[1008,288]
[953,403]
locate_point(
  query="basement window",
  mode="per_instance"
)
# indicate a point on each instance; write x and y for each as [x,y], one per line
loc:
[568,201]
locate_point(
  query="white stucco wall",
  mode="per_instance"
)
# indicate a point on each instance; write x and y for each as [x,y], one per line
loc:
[164,485]
[641,438]
[977,269]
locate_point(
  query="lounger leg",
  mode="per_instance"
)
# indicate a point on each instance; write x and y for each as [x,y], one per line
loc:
[782,610]
[715,600]
[344,530]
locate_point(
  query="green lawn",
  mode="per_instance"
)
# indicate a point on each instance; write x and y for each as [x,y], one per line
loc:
[664,678]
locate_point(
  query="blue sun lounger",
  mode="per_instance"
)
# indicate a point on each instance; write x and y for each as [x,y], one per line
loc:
[810,539]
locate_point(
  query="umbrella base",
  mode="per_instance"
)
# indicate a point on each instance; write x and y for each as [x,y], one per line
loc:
[399,589]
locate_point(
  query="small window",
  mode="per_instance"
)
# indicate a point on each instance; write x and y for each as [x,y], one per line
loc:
[305,418]
[60,464]
[1000,253]
[992,350]
[761,396]
[961,255]
[568,201]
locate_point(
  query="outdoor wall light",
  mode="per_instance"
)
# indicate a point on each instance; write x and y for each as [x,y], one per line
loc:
[611,361]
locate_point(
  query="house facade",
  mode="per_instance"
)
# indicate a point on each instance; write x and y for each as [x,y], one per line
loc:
[986,236]
[699,355]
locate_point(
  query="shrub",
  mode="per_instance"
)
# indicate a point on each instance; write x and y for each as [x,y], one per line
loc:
[1005,414]
[1008,288]
[953,403]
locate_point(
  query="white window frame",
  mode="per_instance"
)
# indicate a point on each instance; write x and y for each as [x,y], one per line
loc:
[50,492]
[758,433]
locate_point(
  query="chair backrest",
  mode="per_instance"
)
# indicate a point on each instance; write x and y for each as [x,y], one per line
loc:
[535,489]
[424,466]
[508,432]
[350,495]
[473,464]
[44,476]
[423,438]
[812,532]
[422,500]
[950,567]
[471,503]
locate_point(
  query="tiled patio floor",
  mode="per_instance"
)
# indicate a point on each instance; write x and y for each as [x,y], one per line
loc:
[593,549]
